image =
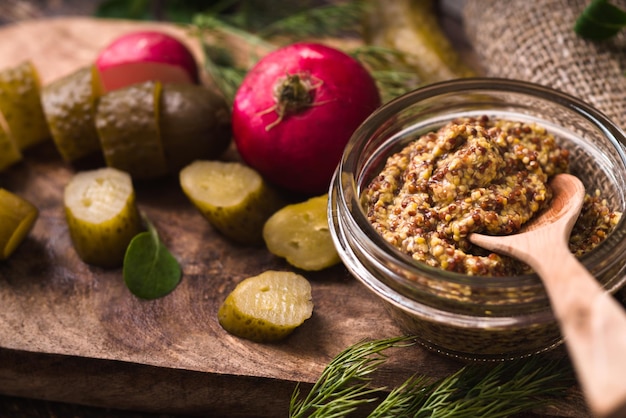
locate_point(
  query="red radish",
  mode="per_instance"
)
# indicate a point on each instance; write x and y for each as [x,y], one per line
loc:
[143,56]
[295,111]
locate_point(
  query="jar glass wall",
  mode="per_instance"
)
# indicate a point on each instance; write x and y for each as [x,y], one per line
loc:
[466,316]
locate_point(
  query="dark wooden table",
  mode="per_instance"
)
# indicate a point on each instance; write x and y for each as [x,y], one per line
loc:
[154,359]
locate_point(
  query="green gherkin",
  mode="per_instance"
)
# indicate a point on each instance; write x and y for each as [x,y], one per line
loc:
[194,123]
[300,233]
[232,197]
[20,103]
[17,217]
[68,105]
[101,215]
[267,307]
[127,121]
[9,151]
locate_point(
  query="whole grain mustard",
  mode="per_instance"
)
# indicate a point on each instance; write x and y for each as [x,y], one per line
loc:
[474,175]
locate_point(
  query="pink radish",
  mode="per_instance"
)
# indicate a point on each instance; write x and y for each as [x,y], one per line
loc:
[295,111]
[145,55]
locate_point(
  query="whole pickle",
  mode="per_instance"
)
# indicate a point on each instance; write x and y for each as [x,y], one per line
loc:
[412,27]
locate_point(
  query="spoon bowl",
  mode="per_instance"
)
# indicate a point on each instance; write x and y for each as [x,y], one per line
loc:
[593,324]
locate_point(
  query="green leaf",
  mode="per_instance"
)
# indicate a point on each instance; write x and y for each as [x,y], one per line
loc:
[150,271]
[600,20]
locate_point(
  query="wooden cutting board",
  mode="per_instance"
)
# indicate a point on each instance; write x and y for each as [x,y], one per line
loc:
[74,333]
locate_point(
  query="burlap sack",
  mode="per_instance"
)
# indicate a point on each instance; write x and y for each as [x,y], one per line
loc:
[533,40]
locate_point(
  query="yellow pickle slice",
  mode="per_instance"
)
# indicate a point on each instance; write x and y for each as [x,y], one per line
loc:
[9,151]
[17,217]
[194,123]
[300,233]
[69,105]
[128,128]
[232,197]
[20,103]
[101,214]
[267,307]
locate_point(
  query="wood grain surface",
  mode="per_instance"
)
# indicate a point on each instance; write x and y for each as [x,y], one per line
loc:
[74,333]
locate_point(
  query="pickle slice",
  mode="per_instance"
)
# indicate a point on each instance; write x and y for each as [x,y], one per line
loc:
[127,125]
[20,103]
[17,217]
[194,123]
[300,233]
[68,105]
[9,151]
[101,215]
[232,197]
[267,307]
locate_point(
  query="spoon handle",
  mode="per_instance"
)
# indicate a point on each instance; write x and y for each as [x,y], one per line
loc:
[593,324]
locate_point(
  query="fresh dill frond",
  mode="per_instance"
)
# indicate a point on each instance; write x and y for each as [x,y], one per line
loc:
[213,24]
[344,383]
[507,388]
[218,60]
[323,21]
[222,70]
[405,400]
[390,70]
[476,390]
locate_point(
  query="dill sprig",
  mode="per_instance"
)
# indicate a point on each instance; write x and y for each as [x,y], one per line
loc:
[344,383]
[388,67]
[323,21]
[476,390]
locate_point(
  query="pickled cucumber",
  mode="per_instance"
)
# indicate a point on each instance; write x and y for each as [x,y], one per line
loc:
[68,105]
[101,214]
[17,217]
[20,103]
[267,307]
[9,151]
[128,128]
[300,233]
[232,197]
[412,28]
[194,123]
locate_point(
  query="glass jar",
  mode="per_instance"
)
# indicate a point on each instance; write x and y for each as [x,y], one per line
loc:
[474,317]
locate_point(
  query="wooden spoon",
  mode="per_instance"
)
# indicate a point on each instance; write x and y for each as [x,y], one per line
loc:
[592,322]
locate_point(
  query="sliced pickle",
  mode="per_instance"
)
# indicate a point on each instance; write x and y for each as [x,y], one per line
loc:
[9,151]
[68,105]
[267,307]
[300,233]
[127,124]
[101,215]
[20,103]
[232,197]
[17,217]
[195,124]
